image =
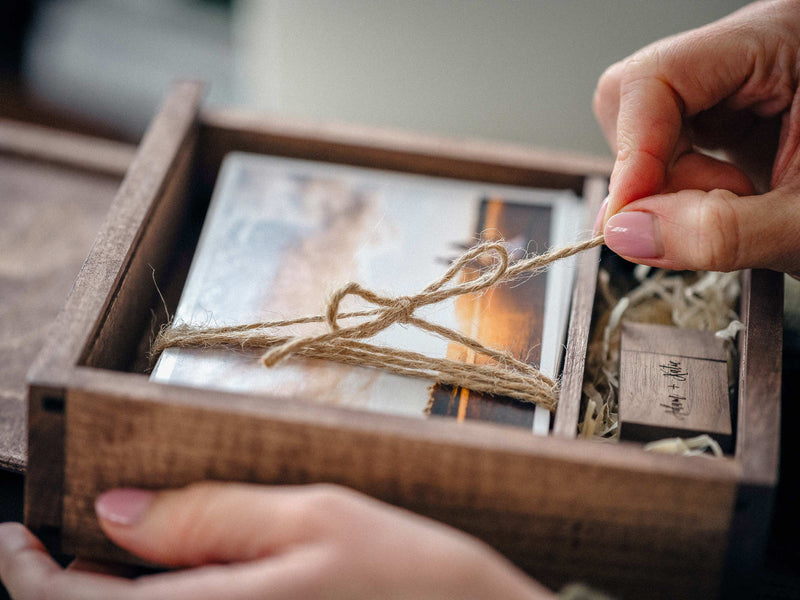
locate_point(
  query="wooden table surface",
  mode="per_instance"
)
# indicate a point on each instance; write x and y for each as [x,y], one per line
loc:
[55,189]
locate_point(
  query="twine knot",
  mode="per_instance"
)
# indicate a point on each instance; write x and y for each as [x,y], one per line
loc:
[502,375]
[404,308]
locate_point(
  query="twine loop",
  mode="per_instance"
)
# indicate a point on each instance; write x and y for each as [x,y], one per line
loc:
[399,309]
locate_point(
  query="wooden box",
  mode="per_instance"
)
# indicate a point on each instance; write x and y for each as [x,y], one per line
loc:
[563,509]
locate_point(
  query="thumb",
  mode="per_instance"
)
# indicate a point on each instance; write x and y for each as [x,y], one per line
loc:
[716,231]
[203,523]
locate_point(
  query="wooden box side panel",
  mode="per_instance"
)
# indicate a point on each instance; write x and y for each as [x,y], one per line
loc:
[558,518]
[224,131]
[569,401]
[115,343]
[44,480]
[152,175]
[759,422]
[761,347]
[120,237]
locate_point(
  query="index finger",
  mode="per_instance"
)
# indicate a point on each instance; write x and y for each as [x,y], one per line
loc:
[648,128]
[666,82]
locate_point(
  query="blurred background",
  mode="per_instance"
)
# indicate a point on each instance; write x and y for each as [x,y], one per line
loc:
[518,71]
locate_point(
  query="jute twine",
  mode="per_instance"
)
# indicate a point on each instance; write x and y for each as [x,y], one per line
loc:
[501,375]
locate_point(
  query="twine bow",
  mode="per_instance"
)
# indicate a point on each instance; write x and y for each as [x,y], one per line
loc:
[504,375]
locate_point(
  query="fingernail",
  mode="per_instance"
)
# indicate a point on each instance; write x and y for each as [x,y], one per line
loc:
[634,234]
[123,506]
[601,215]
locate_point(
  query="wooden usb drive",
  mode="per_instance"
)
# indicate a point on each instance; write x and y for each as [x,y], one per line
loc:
[673,383]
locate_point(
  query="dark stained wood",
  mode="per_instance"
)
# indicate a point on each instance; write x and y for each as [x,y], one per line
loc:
[758,424]
[550,505]
[116,341]
[673,382]
[760,347]
[569,402]
[51,213]
[44,479]
[151,174]
[473,160]
[151,177]
[79,152]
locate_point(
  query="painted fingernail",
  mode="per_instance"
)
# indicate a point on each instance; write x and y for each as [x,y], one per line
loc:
[634,234]
[601,215]
[123,506]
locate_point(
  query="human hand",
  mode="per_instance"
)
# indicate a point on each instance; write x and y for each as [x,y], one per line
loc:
[730,86]
[246,541]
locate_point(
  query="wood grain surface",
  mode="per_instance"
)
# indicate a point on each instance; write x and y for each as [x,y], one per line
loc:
[758,427]
[673,383]
[561,509]
[569,402]
[760,347]
[91,309]
[154,168]
[471,160]
[51,213]
[68,150]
